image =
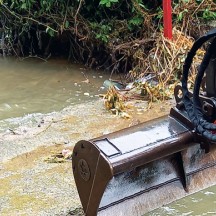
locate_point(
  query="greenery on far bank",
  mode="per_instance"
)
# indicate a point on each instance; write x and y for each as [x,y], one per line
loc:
[116,35]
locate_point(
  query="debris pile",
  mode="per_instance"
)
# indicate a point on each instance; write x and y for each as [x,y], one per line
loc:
[61,157]
[156,74]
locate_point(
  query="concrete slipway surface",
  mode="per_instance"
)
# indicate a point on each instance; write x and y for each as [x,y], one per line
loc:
[31,185]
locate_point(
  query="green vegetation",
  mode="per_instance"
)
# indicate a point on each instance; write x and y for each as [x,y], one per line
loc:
[110,34]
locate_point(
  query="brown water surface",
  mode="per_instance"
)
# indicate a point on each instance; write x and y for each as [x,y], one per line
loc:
[32,86]
[200,203]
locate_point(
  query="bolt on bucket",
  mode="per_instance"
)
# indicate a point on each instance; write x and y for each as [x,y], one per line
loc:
[135,170]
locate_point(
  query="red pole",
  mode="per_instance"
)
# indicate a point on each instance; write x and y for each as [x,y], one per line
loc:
[167,18]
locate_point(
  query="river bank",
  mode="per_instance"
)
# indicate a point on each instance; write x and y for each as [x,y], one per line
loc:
[32,186]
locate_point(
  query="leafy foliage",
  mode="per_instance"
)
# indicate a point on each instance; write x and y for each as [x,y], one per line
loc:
[107,3]
[208,15]
[101,33]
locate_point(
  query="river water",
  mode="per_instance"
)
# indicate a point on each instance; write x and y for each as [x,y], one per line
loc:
[34,86]
[200,203]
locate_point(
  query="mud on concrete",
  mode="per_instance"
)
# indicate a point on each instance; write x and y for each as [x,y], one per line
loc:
[32,186]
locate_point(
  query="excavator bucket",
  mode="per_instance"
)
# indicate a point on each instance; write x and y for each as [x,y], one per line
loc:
[137,169]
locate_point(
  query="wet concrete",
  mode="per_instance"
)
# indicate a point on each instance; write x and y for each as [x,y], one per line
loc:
[32,186]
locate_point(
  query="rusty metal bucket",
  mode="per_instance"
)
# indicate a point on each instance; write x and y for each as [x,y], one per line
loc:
[137,169]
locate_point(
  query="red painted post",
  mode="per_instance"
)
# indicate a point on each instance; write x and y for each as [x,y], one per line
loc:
[167,18]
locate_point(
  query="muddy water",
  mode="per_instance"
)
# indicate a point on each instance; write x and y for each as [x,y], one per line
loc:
[200,203]
[32,86]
